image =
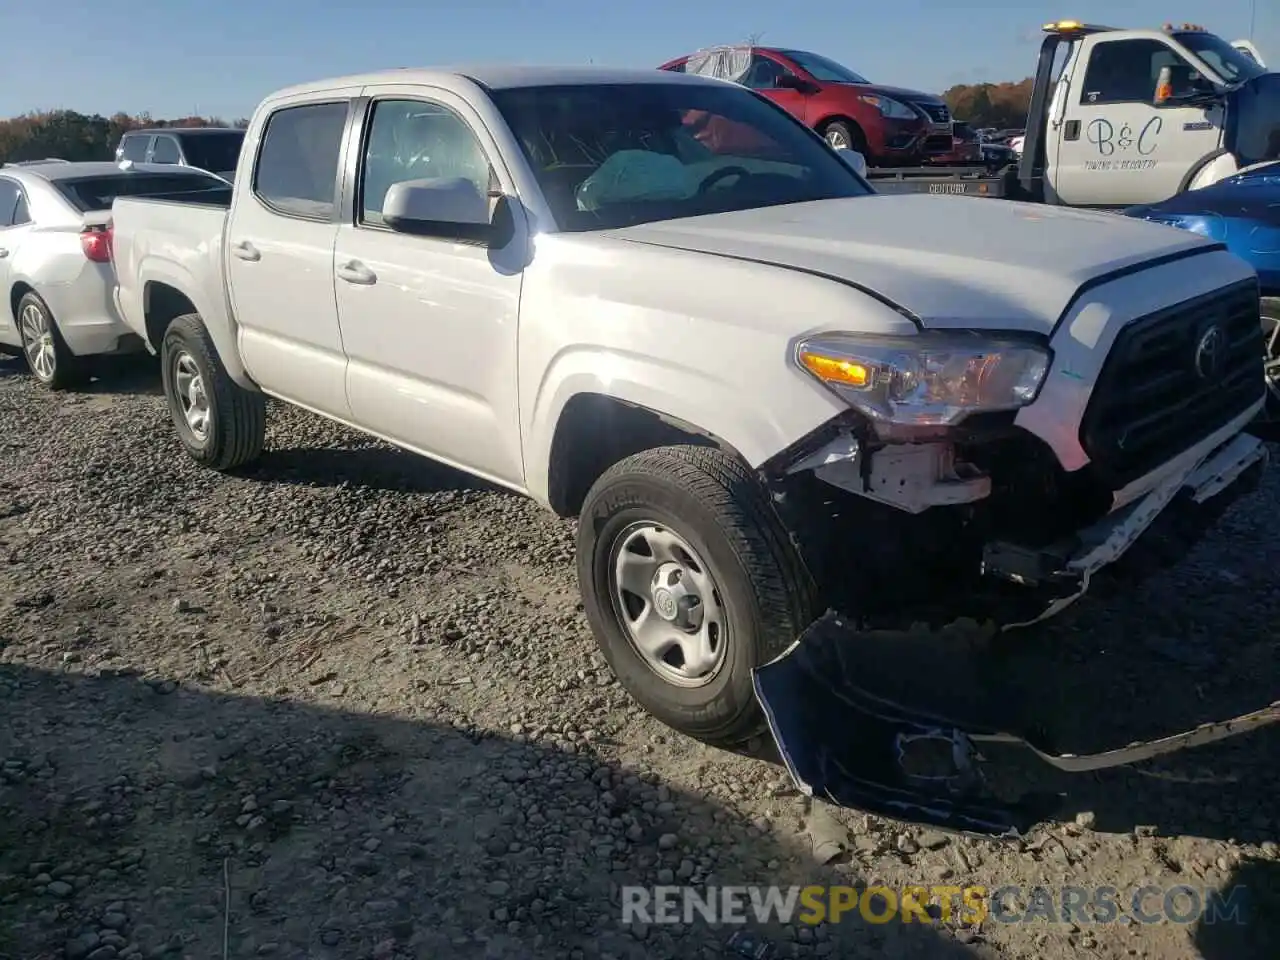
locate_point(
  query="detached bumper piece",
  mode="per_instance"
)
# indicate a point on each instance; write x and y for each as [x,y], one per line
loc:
[866,750]
[890,722]
[908,749]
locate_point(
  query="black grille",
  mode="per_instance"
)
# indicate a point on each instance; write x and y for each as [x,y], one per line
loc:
[1159,394]
[937,112]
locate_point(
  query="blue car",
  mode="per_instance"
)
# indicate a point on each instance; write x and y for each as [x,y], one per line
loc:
[1242,212]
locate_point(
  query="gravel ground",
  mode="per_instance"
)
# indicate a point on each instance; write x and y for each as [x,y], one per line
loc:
[346,705]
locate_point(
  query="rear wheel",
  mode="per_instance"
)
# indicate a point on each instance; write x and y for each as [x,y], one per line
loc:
[220,423]
[689,583]
[49,358]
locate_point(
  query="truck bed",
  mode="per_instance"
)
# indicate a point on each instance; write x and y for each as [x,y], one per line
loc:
[178,235]
[968,181]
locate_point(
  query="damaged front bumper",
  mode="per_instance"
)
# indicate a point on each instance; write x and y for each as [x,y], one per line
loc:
[1184,505]
[865,719]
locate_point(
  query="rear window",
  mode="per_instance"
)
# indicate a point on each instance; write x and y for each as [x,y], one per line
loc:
[88,194]
[217,152]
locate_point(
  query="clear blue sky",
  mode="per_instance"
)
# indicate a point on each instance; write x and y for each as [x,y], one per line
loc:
[179,57]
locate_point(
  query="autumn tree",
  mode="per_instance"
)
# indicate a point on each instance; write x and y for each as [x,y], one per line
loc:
[998,105]
[67,135]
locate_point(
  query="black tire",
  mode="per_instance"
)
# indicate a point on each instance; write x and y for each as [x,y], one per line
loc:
[1267,425]
[66,370]
[849,133]
[713,502]
[236,424]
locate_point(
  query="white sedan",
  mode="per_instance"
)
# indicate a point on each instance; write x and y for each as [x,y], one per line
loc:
[55,259]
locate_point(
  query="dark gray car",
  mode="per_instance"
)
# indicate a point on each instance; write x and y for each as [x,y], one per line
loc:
[215,149]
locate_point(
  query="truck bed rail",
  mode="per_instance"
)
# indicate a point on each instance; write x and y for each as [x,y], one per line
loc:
[220,198]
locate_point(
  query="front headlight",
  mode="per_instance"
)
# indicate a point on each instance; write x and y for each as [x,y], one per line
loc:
[888,107]
[929,380]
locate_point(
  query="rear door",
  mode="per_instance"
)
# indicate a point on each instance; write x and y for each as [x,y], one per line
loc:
[1115,146]
[279,256]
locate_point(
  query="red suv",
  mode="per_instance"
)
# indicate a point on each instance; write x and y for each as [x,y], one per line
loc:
[887,125]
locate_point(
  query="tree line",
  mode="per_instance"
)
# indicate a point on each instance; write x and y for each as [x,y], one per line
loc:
[67,135]
[1000,105]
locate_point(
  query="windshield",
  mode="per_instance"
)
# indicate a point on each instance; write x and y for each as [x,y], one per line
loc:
[1227,62]
[88,194]
[1254,136]
[613,155]
[822,68]
[217,152]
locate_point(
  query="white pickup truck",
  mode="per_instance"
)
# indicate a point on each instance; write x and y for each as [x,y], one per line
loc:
[660,304]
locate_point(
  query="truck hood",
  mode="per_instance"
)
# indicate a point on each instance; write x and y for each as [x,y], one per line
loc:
[948,261]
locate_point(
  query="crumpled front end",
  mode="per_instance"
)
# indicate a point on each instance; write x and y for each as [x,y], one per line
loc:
[891,721]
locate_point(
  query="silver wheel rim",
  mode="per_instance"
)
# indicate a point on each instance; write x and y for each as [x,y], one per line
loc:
[668,604]
[836,138]
[188,388]
[37,342]
[1271,364]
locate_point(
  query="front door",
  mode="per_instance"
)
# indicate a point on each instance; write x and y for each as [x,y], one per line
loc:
[280,255]
[15,223]
[430,322]
[1115,147]
[165,150]
[763,75]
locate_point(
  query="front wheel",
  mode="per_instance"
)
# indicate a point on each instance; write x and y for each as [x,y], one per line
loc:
[689,582]
[1268,424]
[845,136]
[220,423]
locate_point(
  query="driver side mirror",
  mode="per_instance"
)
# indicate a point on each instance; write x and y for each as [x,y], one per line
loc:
[448,207]
[854,159]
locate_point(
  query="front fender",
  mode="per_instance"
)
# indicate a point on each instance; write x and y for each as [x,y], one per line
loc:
[756,425]
[698,338]
[1214,168]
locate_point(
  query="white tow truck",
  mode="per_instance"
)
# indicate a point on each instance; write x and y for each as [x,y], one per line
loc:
[761,388]
[1125,117]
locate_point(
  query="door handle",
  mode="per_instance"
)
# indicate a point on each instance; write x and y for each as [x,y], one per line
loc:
[3,253]
[246,251]
[353,271]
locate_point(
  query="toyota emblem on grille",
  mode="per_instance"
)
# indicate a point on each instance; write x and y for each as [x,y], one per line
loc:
[1210,353]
